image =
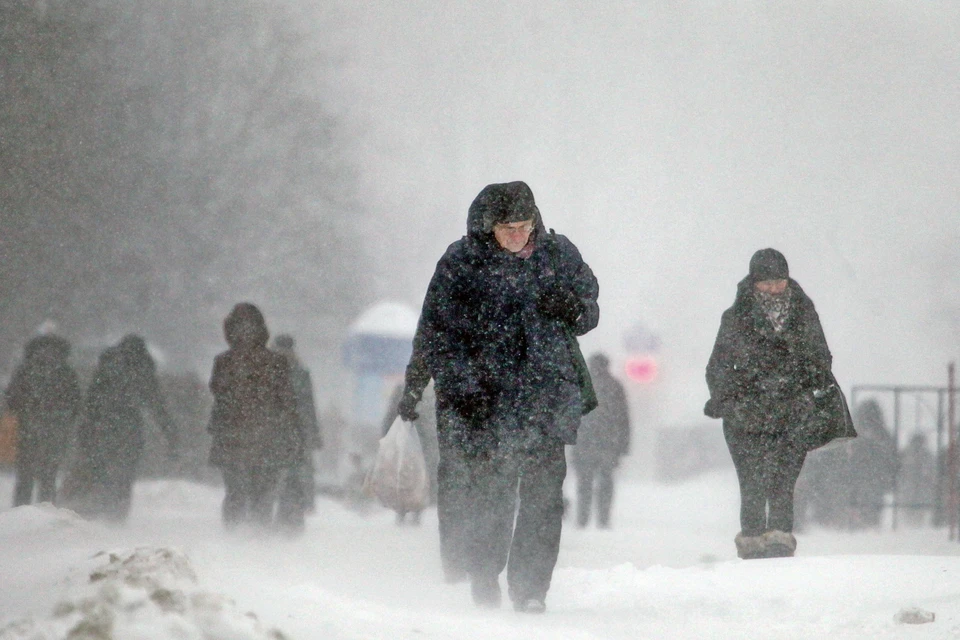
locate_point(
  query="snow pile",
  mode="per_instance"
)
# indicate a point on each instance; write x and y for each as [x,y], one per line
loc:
[149,593]
[40,518]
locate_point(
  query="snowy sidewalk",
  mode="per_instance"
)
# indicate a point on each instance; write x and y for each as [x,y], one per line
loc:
[666,571]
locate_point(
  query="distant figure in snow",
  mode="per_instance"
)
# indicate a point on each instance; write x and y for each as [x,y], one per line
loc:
[918,480]
[298,488]
[44,395]
[770,380]
[254,423]
[872,469]
[112,435]
[604,437]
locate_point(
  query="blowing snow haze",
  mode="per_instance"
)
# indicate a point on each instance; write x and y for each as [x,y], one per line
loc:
[164,161]
[671,143]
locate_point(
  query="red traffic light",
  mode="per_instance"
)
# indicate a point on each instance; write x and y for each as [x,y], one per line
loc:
[642,369]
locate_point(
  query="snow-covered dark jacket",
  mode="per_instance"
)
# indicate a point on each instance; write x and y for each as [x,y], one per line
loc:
[45,396]
[254,419]
[605,433]
[481,331]
[754,366]
[124,385]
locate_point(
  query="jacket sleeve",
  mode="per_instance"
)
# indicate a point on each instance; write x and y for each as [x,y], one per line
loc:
[573,271]
[153,400]
[417,375]
[308,409]
[449,330]
[622,418]
[726,379]
[16,392]
[288,417]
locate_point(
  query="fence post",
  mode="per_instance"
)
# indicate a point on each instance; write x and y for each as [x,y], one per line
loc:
[952,452]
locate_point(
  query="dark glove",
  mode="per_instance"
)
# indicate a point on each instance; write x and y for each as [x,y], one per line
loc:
[562,304]
[713,409]
[408,407]
[473,406]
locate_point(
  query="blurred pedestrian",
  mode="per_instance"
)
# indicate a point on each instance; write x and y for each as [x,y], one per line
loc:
[499,323]
[872,467]
[918,480]
[254,423]
[112,434]
[603,439]
[298,488]
[44,395]
[770,380]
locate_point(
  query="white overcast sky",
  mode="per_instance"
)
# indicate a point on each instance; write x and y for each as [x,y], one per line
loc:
[671,140]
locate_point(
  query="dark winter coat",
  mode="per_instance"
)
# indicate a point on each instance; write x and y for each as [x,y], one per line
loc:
[45,396]
[492,354]
[604,433]
[124,385]
[768,381]
[306,408]
[254,420]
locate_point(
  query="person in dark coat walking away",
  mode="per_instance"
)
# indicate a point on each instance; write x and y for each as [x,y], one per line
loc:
[603,439]
[298,489]
[872,467]
[112,435]
[499,323]
[770,380]
[254,423]
[44,395]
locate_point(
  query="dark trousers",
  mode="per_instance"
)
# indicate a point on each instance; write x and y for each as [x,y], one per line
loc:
[768,465]
[34,469]
[589,475]
[296,497]
[453,479]
[497,479]
[113,472]
[249,493]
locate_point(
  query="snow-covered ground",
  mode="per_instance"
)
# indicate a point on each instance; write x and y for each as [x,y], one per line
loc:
[667,570]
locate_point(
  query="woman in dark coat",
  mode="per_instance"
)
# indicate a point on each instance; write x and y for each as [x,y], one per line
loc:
[112,436]
[45,396]
[254,423]
[770,380]
[498,326]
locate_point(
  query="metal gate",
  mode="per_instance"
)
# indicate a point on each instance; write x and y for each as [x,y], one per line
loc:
[931,412]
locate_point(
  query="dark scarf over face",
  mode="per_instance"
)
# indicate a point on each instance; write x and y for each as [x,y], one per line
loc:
[775,306]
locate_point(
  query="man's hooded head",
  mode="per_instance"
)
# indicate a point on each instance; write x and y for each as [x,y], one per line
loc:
[501,203]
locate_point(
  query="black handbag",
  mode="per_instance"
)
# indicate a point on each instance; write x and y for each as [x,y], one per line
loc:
[829,420]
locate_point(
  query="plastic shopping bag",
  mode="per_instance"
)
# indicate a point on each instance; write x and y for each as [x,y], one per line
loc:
[399,477]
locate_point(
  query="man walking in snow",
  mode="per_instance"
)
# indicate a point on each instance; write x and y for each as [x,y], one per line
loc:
[44,395]
[499,323]
[254,423]
[604,437]
[112,436]
[770,380]
[298,488]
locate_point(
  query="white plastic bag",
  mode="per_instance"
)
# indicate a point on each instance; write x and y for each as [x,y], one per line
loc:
[399,477]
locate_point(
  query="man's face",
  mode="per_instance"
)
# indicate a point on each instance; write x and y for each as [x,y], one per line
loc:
[513,236]
[775,287]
